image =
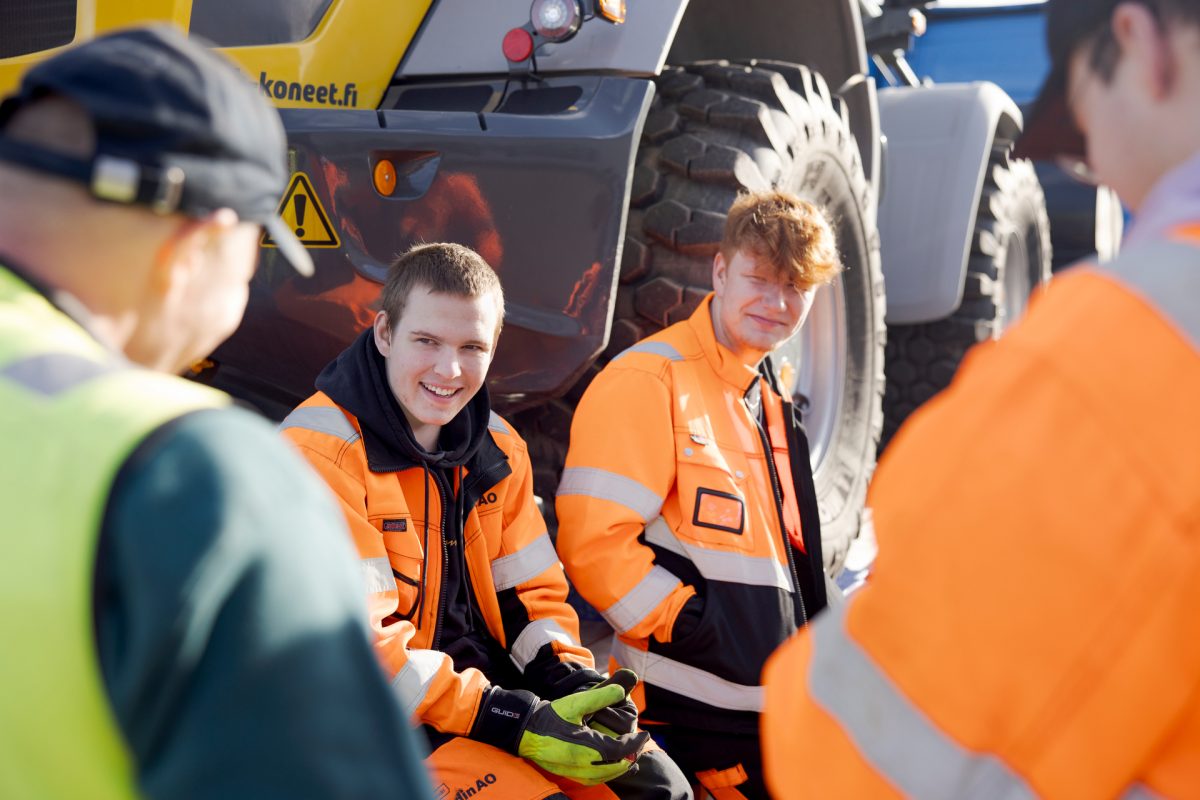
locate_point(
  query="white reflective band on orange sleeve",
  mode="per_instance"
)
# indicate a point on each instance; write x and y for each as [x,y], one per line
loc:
[654,348]
[890,732]
[377,575]
[687,680]
[496,424]
[639,601]
[604,485]
[721,565]
[322,419]
[1140,791]
[527,563]
[536,635]
[412,681]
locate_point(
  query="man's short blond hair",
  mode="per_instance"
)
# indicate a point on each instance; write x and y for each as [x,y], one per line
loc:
[790,233]
[442,268]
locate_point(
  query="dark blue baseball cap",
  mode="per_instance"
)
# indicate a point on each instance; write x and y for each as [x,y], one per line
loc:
[179,129]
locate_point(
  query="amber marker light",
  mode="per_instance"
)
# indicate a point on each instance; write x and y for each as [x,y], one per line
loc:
[612,10]
[385,177]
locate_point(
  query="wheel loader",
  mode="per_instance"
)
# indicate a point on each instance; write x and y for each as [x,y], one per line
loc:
[588,149]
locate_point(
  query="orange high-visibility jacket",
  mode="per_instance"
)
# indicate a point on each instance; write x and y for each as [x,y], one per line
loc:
[515,575]
[670,492]
[1032,624]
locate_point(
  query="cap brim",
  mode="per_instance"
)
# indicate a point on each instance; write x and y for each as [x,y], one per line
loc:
[289,246]
[1050,131]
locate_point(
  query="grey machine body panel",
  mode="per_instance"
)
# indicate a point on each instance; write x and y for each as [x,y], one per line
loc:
[940,139]
[462,38]
[542,197]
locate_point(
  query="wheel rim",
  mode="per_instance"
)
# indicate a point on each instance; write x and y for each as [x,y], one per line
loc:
[814,371]
[1019,255]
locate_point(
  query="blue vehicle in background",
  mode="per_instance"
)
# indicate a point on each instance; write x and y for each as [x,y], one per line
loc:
[955,77]
[1004,42]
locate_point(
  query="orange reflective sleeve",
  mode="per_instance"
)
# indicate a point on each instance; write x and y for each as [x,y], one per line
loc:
[619,471]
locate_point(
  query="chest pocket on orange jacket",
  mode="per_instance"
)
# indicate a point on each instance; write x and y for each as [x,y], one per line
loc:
[711,494]
[407,559]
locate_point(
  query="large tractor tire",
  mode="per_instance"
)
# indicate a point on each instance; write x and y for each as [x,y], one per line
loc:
[1010,257]
[717,129]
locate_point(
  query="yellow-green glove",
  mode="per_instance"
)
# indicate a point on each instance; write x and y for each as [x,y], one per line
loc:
[557,739]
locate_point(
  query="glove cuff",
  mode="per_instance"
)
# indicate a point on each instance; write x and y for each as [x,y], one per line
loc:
[503,715]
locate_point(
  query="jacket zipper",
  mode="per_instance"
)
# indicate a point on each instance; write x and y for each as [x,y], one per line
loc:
[437,624]
[787,545]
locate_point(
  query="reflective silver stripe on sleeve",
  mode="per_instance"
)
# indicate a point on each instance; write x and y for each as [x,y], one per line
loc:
[322,419]
[496,424]
[655,348]
[721,565]
[890,732]
[1139,791]
[639,601]
[377,575]
[49,374]
[411,683]
[530,561]
[604,485]
[1168,275]
[534,637]
[687,680]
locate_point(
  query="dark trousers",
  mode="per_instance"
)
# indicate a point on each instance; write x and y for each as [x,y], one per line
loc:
[713,759]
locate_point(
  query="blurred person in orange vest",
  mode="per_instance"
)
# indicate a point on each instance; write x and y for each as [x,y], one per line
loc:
[1030,625]
[467,597]
[687,512]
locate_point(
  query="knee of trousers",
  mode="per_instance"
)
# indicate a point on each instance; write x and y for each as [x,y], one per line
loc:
[658,777]
[463,768]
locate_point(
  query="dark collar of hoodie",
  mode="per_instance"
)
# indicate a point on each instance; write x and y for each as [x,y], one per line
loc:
[357,381]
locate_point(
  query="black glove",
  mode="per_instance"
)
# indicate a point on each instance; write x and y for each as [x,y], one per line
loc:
[619,718]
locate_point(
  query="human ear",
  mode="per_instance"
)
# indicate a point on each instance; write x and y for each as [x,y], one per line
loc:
[383,333]
[1145,43]
[719,269]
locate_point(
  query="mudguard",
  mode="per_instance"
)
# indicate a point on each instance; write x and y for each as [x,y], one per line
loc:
[939,141]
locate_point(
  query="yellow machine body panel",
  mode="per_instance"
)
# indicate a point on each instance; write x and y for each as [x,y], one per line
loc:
[346,62]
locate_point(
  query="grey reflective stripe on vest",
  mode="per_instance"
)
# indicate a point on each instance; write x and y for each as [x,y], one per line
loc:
[377,575]
[1140,791]
[496,424]
[530,561]
[687,680]
[50,374]
[604,485]
[536,635]
[1168,275]
[322,419]
[891,733]
[412,682]
[720,565]
[639,601]
[654,348]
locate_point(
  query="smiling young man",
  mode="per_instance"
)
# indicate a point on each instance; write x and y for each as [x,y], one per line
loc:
[692,523]
[467,598]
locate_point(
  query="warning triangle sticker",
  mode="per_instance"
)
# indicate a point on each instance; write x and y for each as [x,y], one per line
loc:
[302,211]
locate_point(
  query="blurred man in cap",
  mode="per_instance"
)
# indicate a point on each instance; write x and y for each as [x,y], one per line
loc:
[181,612]
[1030,626]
